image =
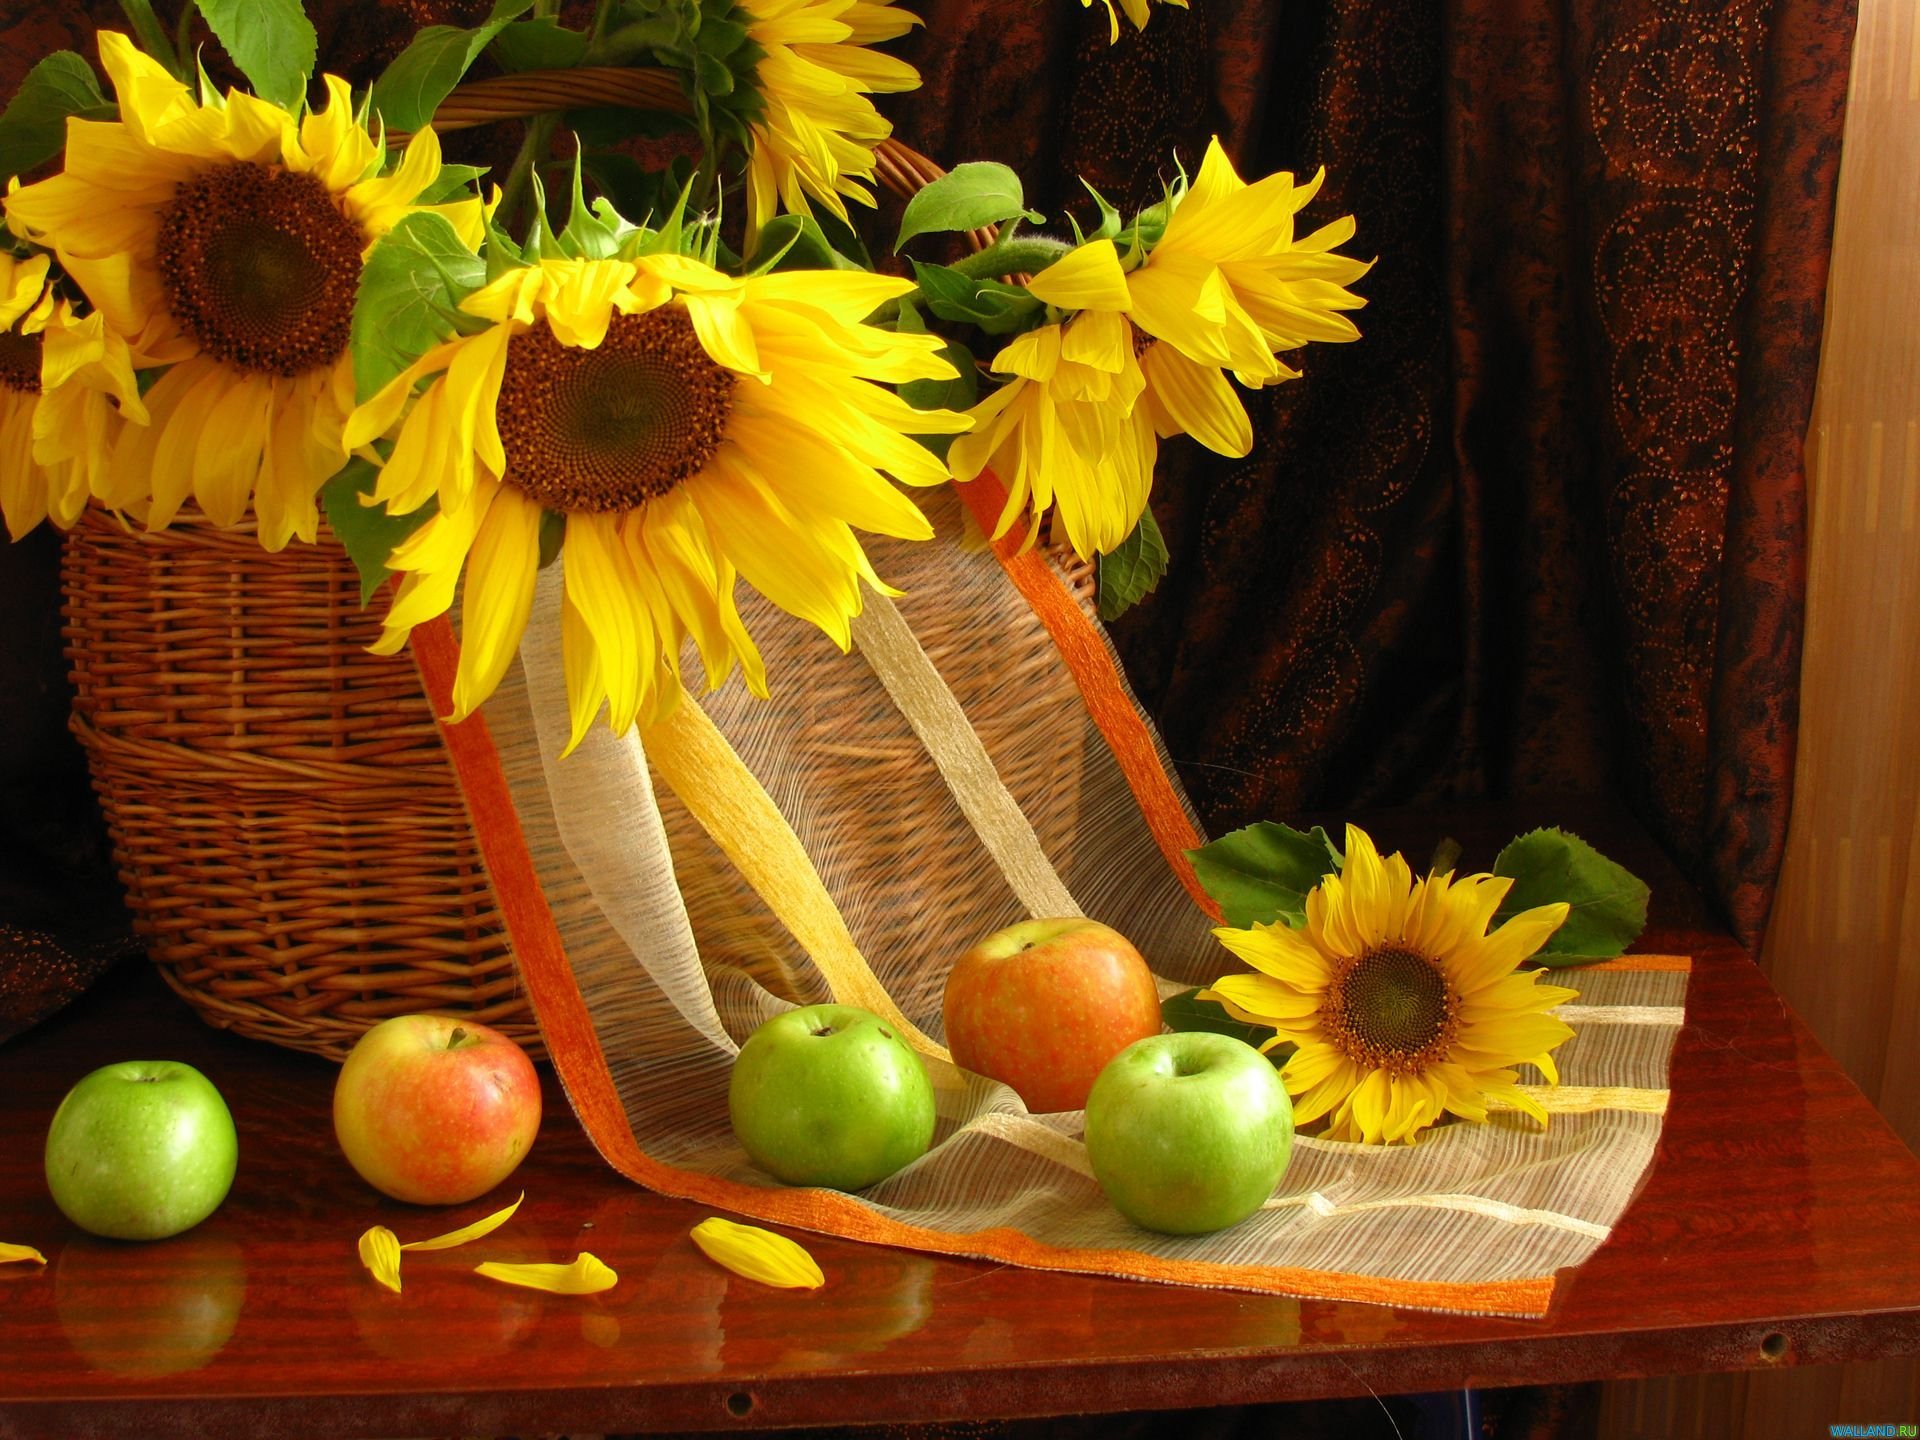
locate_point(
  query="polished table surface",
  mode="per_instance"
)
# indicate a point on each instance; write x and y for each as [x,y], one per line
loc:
[1776,1227]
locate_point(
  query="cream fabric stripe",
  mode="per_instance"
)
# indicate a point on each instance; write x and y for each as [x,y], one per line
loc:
[1622,1014]
[720,792]
[1583,1099]
[1467,1204]
[1071,1154]
[911,680]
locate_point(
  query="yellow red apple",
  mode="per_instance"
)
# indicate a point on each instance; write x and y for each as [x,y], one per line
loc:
[1042,1006]
[435,1110]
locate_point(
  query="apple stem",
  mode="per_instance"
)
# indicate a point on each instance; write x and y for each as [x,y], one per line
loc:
[454,1039]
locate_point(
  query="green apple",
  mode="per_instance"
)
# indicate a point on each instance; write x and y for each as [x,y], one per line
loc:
[830,1095]
[1189,1133]
[141,1150]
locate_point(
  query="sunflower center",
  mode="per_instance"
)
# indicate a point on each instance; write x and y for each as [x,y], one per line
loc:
[260,266]
[1391,1009]
[592,431]
[20,362]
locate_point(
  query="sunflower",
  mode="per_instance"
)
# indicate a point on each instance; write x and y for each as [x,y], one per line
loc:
[1402,1005]
[1062,431]
[224,241]
[691,428]
[816,133]
[1226,287]
[65,384]
[1136,12]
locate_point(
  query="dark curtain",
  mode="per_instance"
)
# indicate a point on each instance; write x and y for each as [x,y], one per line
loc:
[1541,530]
[1538,533]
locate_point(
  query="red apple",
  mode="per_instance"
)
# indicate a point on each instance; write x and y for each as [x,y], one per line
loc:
[1045,1004]
[435,1110]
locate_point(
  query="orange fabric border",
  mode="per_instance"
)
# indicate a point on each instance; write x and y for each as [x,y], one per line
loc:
[1672,963]
[582,1066]
[1107,700]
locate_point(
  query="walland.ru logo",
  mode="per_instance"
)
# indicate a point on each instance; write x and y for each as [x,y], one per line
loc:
[1851,1431]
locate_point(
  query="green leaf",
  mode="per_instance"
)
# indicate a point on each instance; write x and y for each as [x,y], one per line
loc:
[34,124]
[997,308]
[452,184]
[1131,571]
[368,532]
[541,43]
[959,393]
[1262,874]
[1187,1011]
[416,276]
[1608,904]
[270,41]
[422,75]
[969,196]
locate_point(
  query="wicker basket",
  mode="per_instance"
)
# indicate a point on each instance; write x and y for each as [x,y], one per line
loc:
[287,827]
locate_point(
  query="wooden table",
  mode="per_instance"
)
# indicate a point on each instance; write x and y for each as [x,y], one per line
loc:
[1776,1228]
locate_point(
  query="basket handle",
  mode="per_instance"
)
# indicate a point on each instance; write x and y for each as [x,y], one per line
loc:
[899,167]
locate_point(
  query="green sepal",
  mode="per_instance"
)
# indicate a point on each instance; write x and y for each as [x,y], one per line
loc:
[409,90]
[415,277]
[1132,570]
[1109,217]
[271,42]
[593,232]
[34,125]
[1260,875]
[965,198]
[1607,904]
[368,532]
[991,305]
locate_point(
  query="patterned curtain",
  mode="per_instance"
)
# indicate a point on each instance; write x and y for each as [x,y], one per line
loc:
[1541,530]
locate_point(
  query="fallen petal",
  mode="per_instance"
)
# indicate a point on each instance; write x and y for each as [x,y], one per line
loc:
[585,1276]
[758,1254]
[11,1253]
[471,1232]
[380,1253]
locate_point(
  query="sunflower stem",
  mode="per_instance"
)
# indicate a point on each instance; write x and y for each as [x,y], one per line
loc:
[152,34]
[183,30]
[1025,256]
[514,194]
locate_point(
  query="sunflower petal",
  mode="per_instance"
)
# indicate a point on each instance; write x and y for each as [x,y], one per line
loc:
[758,1254]
[587,1275]
[485,1226]
[380,1253]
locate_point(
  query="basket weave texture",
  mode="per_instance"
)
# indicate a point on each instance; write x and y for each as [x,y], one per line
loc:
[292,842]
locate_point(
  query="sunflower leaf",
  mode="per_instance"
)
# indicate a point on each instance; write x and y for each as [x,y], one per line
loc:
[270,41]
[1262,874]
[451,184]
[414,280]
[967,197]
[993,306]
[541,43]
[1132,570]
[34,124]
[1607,903]
[409,90]
[1187,1011]
[368,532]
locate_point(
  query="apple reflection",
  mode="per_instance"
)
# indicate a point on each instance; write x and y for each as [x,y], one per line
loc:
[145,1310]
